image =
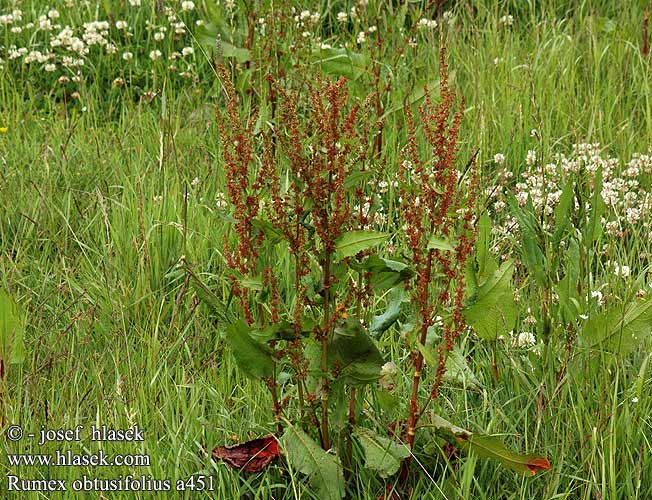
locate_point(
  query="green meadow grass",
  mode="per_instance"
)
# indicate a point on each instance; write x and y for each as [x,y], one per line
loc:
[94,224]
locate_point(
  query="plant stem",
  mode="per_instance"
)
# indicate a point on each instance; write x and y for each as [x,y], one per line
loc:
[324,354]
[271,383]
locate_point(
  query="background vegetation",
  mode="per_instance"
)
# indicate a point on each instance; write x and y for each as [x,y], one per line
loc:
[111,173]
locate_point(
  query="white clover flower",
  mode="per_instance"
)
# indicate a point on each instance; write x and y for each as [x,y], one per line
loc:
[121,25]
[155,54]
[187,5]
[158,36]
[634,400]
[362,38]
[127,56]
[507,20]
[531,157]
[426,23]
[526,339]
[134,3]
[220,201]
[44,23]
[50,67]
[388,369]
[597,294]
[534,133]
[622,271]
[372,29]
[53,14]
[187,51]
[499,158]
[342,17]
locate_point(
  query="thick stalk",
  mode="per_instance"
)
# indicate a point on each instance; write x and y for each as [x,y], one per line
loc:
[416,379]
[271,383]
[324,354]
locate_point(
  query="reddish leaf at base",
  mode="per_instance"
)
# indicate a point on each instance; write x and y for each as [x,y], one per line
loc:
[252,456]
[536,464]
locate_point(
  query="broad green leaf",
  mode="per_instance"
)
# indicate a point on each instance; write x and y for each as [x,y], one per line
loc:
[208,297]
[12,330]
[562,210]
[438,243]
[355,352]
[381,454]
[340,62]
[240,54]
[533,255]
[253,358]
[492,310]
[593,229]
[621,328]
[397,297]
[427,354]
[254,283]
[323,469]
[489,447]
[352,180]
[385,273]
[352,242]
[487,265]
[458,370]
[374,263]
[272,234]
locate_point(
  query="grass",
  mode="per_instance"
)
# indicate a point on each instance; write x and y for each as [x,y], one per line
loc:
[116,337]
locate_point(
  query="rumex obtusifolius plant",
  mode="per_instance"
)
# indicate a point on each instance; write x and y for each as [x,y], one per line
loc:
[302,268]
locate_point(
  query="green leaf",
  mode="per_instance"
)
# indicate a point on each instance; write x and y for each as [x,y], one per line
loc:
[487,265]
[621,328]
[12,330]
[240,54]
[458,371]
[562,211]
[254,283]
[492,310]
[253,358]
[442,244]
[385,273]
[355,352]
[340,62]
[489,447]
[397,297]
[352,242]
[272,234]
[533,255]
[593,229]
[354,179]
[381,454]
[323,469]
[427,354]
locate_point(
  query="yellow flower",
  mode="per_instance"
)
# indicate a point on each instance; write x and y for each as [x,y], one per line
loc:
[3,130]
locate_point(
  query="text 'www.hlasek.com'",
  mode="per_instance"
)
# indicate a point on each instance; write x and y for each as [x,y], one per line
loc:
[96,468]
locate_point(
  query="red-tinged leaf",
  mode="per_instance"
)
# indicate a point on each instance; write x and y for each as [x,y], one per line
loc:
[537,464]
[489,447]
[252,456]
